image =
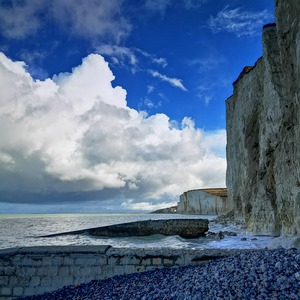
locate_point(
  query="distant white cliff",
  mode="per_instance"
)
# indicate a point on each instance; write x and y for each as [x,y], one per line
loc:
[203,202]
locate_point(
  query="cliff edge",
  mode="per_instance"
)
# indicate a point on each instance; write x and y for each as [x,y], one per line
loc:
[203,202]
[263,131]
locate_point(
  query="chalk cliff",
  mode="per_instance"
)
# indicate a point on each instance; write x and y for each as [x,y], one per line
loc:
[167,210]
[203,202]
[263,131]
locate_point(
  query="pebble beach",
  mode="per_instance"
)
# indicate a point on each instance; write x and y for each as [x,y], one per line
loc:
[259,274]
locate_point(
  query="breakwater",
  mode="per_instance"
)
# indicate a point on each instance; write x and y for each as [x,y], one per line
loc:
[186,228]
[35,270]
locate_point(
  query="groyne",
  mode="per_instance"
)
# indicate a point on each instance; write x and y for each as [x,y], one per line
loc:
[186,228]
[36,270]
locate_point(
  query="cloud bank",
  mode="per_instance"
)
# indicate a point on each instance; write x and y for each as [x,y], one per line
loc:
[73,138]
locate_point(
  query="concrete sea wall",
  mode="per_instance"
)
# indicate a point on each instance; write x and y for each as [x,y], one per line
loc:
[35,270]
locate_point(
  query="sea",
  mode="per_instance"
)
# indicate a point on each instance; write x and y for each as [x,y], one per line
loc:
[25,230]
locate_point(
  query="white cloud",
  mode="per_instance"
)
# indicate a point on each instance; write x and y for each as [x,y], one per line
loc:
[207,99]
[92,18]
[172,81]
[120,55]
[150,89]
[157,5]
[160,61]
[6,161]
[129,57]
[239,22]
[156,60]
[160,6]
[205,93]
[89,19]
[215,141]
[147,206]
[33,60]
[194,4]
[208,63]
[21,18]
[147,103]
[75,136]
[206,90]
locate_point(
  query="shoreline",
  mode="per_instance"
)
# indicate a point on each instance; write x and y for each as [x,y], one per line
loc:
[250,274]
[35,270]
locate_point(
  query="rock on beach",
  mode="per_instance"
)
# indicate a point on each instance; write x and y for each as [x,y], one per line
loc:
[259,274]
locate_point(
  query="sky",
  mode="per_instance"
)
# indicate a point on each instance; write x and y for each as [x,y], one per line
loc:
[118,106]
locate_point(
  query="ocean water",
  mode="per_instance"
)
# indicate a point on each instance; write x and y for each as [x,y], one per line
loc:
[24,231]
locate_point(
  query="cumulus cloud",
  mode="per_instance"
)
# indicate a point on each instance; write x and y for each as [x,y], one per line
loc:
[239,21]
[172,81]
[33,61]
[216,141]
[73,138]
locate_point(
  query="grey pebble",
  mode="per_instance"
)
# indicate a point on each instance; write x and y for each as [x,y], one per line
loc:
[261,274]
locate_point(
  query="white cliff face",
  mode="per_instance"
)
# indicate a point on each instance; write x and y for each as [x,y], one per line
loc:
[263,131]
[202,203]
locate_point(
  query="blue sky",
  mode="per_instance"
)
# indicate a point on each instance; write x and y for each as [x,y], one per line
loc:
[110,106]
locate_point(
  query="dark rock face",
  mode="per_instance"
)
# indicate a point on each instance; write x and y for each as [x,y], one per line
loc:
[186,228]
[263,131]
